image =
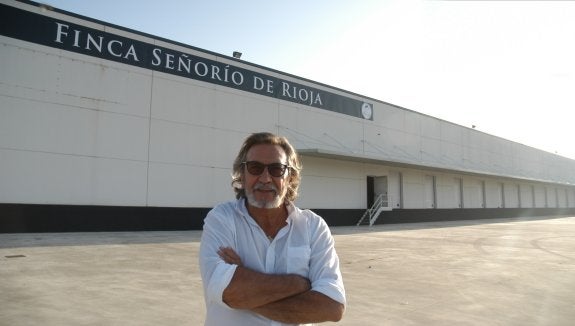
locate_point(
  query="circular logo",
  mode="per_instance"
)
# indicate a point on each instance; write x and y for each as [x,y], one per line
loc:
[366,110]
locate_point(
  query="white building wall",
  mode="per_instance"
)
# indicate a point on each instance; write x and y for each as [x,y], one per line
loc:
[65,141]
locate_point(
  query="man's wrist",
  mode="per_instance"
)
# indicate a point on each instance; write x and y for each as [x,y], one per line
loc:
[303,283]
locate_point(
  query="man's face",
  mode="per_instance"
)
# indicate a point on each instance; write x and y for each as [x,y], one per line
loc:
[265,190]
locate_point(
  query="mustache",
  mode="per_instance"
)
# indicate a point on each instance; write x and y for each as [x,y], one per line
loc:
[268,187]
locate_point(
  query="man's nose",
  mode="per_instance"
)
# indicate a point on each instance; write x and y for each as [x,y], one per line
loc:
[265,176]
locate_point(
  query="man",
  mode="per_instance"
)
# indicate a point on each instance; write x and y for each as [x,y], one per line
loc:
[264,261]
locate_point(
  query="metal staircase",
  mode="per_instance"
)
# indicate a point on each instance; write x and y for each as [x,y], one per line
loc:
[371,214]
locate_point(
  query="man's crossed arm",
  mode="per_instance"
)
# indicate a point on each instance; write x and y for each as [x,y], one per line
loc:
[284,298]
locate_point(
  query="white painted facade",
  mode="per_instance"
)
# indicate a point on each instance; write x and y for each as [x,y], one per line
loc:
[81,130]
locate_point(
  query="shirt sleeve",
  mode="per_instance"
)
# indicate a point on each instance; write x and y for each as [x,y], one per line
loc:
[216,274]
[324,274]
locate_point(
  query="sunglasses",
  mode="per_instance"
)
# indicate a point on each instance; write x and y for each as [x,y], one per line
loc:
[274,169]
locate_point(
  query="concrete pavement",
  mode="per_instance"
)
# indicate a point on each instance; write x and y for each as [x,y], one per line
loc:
[485,272]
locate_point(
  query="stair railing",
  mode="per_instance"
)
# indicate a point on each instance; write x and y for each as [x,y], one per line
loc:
[371,214]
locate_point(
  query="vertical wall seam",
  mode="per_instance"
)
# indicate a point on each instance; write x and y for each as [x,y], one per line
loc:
[149,140]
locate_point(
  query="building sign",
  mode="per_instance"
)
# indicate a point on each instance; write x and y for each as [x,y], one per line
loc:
[56,33]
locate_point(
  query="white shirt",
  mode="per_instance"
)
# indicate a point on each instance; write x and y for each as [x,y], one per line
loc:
[304,246]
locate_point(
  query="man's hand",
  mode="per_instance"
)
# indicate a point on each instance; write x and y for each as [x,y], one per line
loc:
[228,255]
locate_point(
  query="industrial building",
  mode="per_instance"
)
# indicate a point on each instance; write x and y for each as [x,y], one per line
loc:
[106,128]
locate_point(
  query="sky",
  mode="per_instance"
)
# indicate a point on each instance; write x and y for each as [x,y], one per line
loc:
[505,67]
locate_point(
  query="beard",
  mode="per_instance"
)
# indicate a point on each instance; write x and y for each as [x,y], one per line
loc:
[275,202]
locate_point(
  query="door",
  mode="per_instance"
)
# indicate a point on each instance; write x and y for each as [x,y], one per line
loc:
[370,191]
[380,187]
[376,186]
